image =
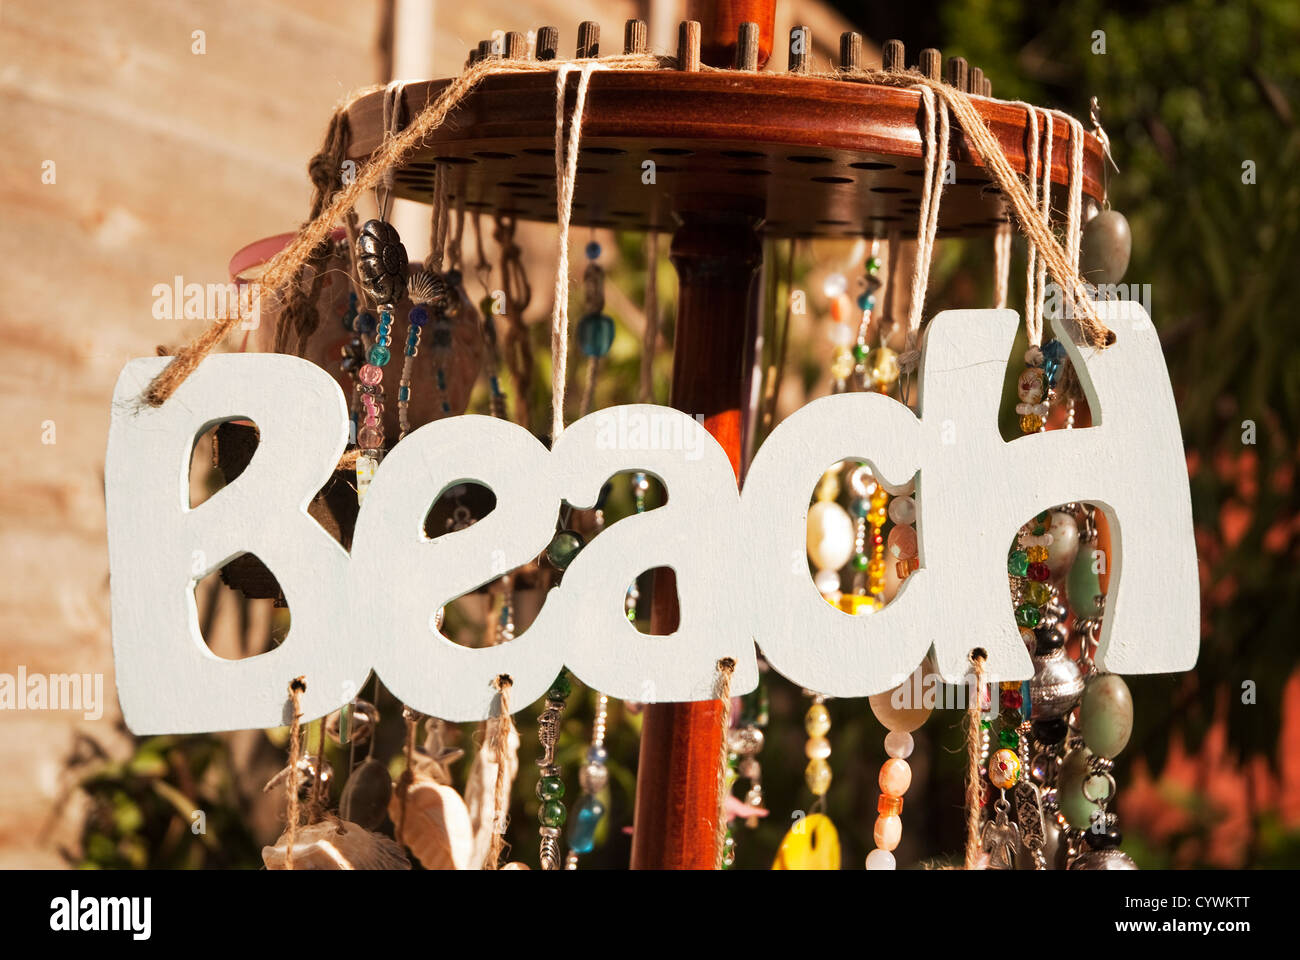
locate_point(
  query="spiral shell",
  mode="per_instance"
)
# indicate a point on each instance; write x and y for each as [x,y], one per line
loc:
[436,827]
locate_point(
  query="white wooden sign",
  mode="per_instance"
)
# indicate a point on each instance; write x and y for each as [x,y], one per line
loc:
[741,572]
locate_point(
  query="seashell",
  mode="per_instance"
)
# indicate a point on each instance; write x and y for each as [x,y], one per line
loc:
[366,795]
[437,827]
[516,865]
[336,845]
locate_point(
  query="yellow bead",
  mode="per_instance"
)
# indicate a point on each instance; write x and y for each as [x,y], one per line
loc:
[842,366]
[879,499]
[1004,769]
[1036,554]
[876,570]
[818,777]
[811,844]
[1030,423]
[817,748]
[883,364]
[817,721]
[857,604]
[877,516]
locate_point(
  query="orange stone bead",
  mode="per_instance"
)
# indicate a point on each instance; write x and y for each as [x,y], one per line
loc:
[888,806]
[888,832]
[895,777]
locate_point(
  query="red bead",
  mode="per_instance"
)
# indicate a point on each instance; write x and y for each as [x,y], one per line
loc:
[1039,571]
[1012,700]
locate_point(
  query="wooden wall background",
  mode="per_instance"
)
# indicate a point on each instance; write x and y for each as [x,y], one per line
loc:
[165,163]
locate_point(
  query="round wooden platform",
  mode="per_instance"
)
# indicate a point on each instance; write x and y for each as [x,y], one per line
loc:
[810,156]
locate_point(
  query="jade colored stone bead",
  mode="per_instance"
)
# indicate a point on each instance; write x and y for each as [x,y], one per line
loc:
[550,788]
[560,689]
[1077,809]
[1105,248]
[1018,563]
[564,546]
[1028,615]
[551,813]
[1083,586]
[1106,715]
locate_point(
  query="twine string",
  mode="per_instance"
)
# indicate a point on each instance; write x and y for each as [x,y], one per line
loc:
[566,169]
[722,692]
[974,781]
[650,340]
[297,687]
[500,746]
[395,150]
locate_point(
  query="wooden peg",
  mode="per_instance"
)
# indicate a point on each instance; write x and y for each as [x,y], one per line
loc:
[800,50]
[988,87]
[975,82]
[850,52]
[588,39]
[473,57]
[515,46]
[747,47]
[548,43]
[892,56]
[931,63]
[484,49]
[688,46]
[958,72]
[636,37]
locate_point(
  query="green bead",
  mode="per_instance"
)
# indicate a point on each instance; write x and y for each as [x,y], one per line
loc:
[986,724]
[873,264]
[1083,586]
[860,561]
[1106,715]
[1009,739]
[1077,809]
[1018,563]
[550,788]
[564,546]
[551,813]
[560,689]
[1028,615]
[860,352]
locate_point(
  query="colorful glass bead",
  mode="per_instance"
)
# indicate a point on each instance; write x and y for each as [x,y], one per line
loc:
[1004,769]
[596,334]
[418,316]
[842,366]
[818,777]
[817,721]
[1031,423]
[857,604]
[551,814]
[1053,360]
[902,510]
[1030,385]
[1039,572]
[550,788]
[560,689]
[379,355]
[1036,554]
[564,546]
[1009,739]
[593,250]
[882,364]
[1018,563]
[1038,593]
[586,820]
[365,323]
[889,806]
[1028,615]
[370,375]
[902,542]
[370,438]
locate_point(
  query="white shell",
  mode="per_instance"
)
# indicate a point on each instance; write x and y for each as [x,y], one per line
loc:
[336,845]
[830,535]
[437,827]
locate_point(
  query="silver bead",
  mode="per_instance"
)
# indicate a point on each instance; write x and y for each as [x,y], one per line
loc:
[593,777]
[745,741]
[382,262]
[1110,858]
[1057,685]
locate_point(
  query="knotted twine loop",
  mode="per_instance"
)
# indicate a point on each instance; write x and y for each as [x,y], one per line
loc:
[566,170]
[974,779]
[935,133]
[297,687]
[722,692]
[394,151]
[500,745]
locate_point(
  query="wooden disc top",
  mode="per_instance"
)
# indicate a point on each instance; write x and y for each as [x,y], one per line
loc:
[813,157]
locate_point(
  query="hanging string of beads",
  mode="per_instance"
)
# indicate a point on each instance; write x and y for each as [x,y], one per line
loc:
[870,508]
[596,328]
[900,714]
[593,778]
[551,812]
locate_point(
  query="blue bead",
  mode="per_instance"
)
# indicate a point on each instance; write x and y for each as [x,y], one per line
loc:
[365,323]
[866,301]
[379,355]
[597,754]
[583,824]
[413,336]
[403,394]
[596,334]
[593,250]
[418,316]
[410,350]
[1053,360]
[442,379]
